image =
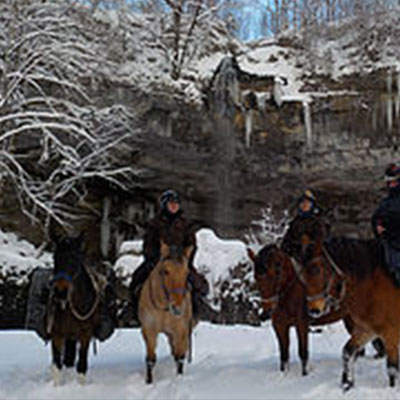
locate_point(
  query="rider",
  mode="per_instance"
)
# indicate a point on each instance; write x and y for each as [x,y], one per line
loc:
[386,222]
[171,227]
[308,221]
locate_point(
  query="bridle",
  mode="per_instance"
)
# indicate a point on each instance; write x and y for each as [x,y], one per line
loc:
[336,272]
[65,276]
[279,291]
[167,291]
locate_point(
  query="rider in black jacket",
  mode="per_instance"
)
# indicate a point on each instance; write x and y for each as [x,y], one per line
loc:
[386,222]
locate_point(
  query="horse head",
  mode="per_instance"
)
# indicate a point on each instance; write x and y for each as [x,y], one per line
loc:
[174,270]
[325,282]
[68,262]
[271,271]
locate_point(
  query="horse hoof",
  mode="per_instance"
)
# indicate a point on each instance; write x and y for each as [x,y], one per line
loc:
[346,386]
[56,373]
[82,379]
[392,381]
[179,368]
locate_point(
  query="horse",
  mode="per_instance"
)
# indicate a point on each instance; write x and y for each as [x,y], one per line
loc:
[372,300]
[280,281]
[165,306]
[74,308]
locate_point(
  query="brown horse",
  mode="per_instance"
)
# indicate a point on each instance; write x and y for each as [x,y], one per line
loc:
[281,284]
[165,306]
[74,308]
[371,298]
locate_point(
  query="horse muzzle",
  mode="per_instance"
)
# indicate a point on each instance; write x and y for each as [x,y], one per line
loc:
[174,310]
[317,308]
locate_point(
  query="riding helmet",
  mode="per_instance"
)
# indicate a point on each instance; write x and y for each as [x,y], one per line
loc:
[167,196]
[392,172]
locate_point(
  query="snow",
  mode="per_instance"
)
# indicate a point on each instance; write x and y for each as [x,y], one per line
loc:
[216,257]
[230,362]
[18,255]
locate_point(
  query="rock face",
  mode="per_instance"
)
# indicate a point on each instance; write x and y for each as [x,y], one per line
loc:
[248,145]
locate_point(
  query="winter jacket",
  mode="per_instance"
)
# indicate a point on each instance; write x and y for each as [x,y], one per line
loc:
[388,215]
[172,230]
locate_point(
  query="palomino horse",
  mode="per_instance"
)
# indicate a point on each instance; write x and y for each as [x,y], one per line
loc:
[74,308]
[371,298]
[280,282]
[165,306]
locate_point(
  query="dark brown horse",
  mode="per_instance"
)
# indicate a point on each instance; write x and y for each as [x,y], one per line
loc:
[371,298]
[74,308]
[281,282]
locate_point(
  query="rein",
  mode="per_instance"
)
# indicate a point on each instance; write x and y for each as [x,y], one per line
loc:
[96,288]
[74,311]
[336,272]
[279,293]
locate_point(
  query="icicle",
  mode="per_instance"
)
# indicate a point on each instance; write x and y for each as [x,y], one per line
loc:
[389,113]
[389,81]
[308,123]
[248,126]
[389,101]
[374,118]
[397,100]
[278,91]
[105,228]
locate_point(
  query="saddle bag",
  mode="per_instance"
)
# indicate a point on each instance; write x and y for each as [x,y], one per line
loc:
[38,298]
[108,317]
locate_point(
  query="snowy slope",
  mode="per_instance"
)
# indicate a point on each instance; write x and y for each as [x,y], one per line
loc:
[230,362]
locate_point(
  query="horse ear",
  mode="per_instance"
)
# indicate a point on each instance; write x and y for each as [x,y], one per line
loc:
[187,251]
[164,249]
[251,254]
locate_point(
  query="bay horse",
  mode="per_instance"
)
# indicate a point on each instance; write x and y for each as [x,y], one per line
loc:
[73,308]
[165,306]
[372,299]
[280,281]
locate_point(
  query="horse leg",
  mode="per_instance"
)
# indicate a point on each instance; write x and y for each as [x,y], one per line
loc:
[150,338]
[69,353]
[379,348]
[302,336]
[349,356]
[282,333]
[180,348]
[57,344]
[82,365]
[391,342]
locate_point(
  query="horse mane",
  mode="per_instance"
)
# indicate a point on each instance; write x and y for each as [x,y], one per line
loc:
[358,257]
[262,257]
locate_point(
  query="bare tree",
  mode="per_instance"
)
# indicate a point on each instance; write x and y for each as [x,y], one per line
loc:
[51,141]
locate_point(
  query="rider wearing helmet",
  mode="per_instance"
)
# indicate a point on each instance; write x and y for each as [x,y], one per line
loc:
[307,223]
[170,226]
[386,221]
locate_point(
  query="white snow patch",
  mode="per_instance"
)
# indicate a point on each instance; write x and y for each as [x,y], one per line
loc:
[230,362]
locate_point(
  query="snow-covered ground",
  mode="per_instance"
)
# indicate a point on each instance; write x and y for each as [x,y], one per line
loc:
[230,362]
